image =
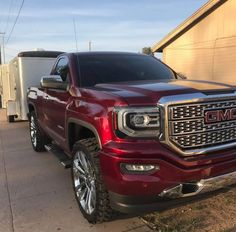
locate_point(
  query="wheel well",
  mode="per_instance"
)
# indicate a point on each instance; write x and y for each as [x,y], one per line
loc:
[77,132]
[31,108]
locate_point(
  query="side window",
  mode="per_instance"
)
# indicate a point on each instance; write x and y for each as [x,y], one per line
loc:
[62,69]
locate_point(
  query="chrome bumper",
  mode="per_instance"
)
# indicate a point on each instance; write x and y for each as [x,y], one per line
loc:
[202,186]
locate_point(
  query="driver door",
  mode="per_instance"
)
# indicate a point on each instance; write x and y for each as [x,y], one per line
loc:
[55,103]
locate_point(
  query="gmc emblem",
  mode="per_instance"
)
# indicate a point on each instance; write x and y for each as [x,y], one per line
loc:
[213,116]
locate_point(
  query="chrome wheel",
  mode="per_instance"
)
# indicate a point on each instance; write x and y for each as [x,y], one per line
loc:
[33,131]
[84,182]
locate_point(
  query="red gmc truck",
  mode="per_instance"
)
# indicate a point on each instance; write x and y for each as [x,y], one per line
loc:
[136,136]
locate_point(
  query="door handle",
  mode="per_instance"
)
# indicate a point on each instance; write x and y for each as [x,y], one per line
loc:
[46,97]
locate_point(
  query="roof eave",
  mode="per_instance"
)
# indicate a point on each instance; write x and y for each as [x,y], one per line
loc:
[205,10]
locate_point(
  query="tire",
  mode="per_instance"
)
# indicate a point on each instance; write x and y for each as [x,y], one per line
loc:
[11,118]
[88,182]
[37,137]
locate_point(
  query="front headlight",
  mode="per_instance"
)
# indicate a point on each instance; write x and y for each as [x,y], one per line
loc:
[138,122]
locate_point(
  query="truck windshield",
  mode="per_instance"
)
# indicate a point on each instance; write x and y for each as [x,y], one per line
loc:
[109,68]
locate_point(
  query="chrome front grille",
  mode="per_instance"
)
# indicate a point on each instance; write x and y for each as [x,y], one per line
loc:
[187,129]
[197,125]
[205,139]
[189,111]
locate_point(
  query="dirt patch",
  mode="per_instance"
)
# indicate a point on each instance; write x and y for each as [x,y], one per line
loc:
[216,214]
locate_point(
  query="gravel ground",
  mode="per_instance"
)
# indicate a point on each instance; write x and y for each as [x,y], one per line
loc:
[216,214]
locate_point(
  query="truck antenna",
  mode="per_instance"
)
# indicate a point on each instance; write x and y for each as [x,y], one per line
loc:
[90,45]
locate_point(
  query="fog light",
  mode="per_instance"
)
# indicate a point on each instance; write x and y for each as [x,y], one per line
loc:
[139,168]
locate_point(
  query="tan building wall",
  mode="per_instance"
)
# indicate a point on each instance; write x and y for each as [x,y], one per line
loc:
[208,50]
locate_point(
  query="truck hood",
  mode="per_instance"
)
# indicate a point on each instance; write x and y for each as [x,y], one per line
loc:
[149,92]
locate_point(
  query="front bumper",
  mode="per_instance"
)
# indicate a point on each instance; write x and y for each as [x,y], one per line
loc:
[172,197]
[177,180]
[139,205]
[169,177]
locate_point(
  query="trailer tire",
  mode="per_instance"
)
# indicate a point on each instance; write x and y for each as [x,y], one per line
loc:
[89,184]
[10,118]
[38,138]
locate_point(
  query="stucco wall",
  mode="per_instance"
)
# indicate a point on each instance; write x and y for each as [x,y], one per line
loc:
[208,50]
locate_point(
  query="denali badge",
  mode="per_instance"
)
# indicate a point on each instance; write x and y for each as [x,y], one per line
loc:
[213,116]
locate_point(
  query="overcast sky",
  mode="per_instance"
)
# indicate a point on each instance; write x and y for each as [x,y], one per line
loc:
[123,25]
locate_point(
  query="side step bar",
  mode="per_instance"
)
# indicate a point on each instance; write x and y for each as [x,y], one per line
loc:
[64,159]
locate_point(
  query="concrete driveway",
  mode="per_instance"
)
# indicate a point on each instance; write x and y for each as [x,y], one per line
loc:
[36,192]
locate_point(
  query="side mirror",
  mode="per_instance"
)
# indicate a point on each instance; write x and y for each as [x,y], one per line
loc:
[182,76]
[53,82]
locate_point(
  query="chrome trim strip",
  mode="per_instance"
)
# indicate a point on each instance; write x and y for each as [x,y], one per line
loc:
[202,186]
[165,102]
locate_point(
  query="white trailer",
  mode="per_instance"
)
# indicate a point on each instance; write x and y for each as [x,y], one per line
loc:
[23,71]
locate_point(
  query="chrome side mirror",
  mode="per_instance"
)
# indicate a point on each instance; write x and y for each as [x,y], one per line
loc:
[53,82]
